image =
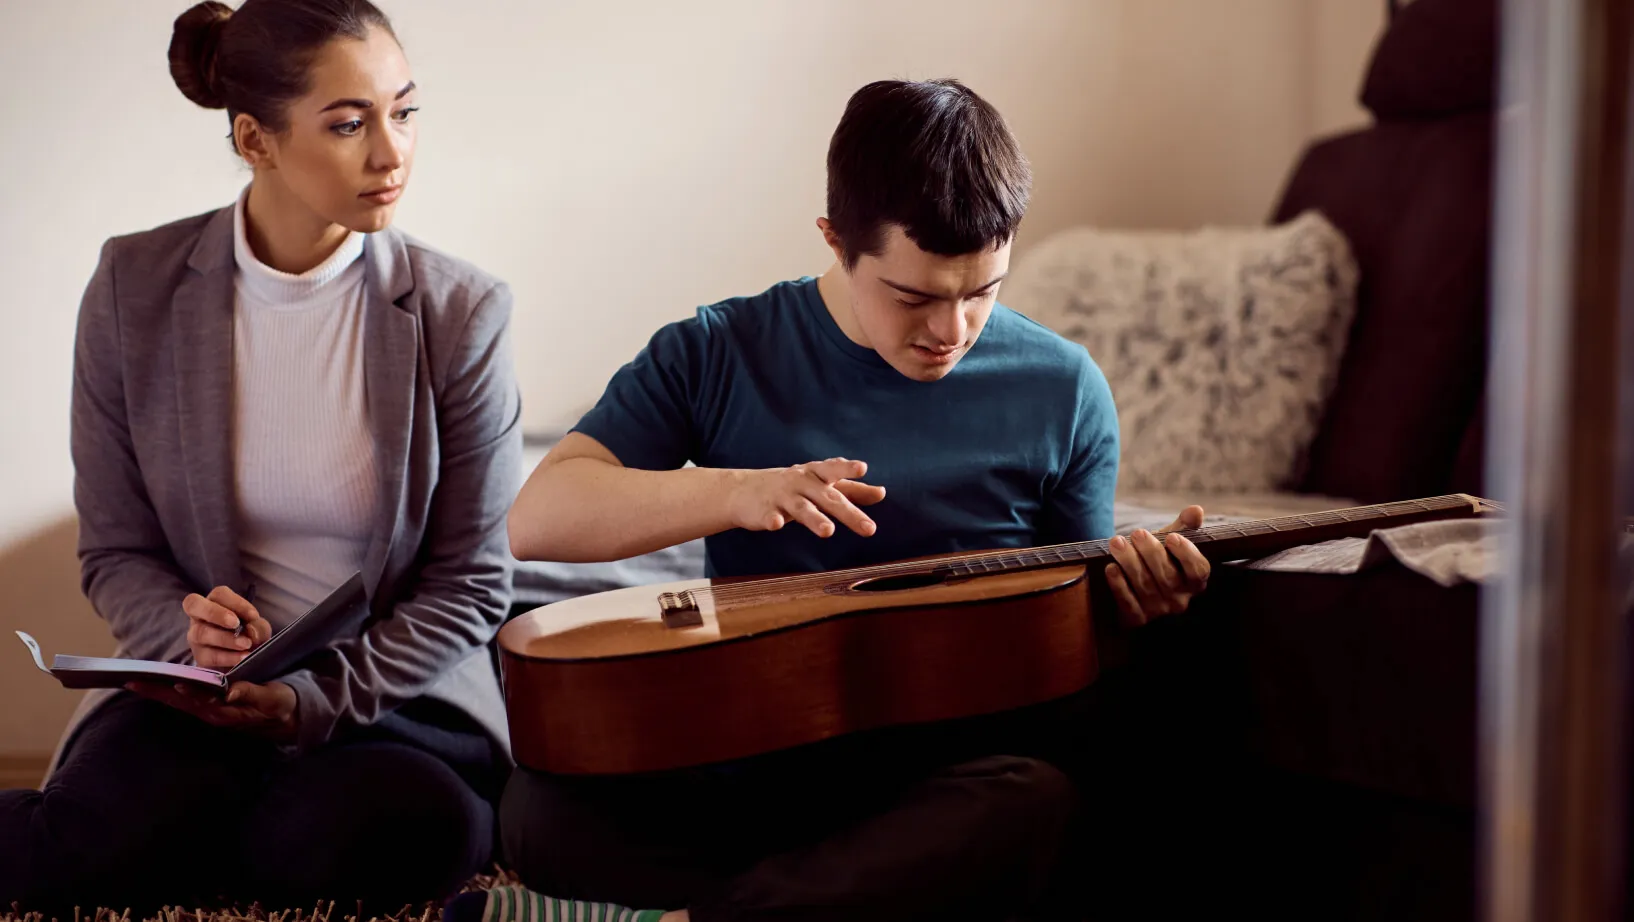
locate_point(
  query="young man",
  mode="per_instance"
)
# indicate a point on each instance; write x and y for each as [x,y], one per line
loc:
[888,409]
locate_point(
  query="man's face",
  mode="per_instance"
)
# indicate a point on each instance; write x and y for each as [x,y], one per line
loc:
[922,312]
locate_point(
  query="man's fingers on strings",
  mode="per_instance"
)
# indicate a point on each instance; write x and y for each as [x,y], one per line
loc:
[1132,566]
[1156,558]
[1195,566]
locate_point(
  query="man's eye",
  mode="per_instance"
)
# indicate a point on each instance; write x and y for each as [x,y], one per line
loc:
[906,303]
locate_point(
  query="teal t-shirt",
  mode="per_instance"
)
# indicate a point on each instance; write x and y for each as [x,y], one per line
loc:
[1017,446]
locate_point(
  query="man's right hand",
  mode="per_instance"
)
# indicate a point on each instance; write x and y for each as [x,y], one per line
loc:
[211,620]
[816,494]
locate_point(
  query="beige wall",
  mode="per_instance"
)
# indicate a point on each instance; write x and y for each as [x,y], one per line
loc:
[618,163]
[1341,34]
[39,593]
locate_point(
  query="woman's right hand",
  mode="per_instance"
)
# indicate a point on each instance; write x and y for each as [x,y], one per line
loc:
[816,494]
[211,621]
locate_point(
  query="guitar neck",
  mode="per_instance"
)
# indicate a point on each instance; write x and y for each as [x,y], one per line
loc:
[1236,541]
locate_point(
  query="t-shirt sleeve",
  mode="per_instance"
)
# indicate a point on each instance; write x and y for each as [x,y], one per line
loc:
[1079,507]
[649,416]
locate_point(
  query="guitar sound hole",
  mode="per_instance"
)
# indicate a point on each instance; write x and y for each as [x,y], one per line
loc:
[897,583]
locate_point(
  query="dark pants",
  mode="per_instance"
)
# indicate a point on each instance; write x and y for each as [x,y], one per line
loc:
[899,825]
[151,806]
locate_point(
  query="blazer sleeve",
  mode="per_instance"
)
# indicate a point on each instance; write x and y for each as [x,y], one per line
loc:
[461,593]
[126,567]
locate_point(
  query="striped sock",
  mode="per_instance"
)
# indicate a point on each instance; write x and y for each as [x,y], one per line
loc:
[519,904]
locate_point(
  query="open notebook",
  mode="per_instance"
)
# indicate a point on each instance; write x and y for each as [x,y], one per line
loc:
[341,614]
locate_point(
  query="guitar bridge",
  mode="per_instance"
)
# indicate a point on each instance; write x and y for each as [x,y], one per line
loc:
[679,609]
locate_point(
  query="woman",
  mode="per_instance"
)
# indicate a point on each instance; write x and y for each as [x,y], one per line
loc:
[267,399]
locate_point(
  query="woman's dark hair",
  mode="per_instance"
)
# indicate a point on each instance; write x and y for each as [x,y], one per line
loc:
[932,157]
[255,60]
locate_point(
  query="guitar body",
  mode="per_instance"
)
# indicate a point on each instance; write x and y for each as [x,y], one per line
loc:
[600,684]
[661,677]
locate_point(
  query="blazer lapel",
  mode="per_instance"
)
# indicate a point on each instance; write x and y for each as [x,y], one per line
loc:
[202,330]
[391,338]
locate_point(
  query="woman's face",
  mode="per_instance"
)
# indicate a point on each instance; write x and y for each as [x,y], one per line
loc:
[349,144]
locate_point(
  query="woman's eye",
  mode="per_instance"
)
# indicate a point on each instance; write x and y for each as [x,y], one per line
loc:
[348,128]
[402,115]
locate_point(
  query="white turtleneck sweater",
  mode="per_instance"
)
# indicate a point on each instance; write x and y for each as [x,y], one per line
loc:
[306,486]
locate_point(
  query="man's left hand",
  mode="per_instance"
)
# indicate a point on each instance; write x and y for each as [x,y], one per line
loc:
[265,710]
[1146,581]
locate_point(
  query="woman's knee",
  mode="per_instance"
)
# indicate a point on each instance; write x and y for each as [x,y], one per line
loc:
[386,821]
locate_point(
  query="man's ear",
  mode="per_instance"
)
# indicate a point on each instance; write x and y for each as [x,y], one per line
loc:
[832,238]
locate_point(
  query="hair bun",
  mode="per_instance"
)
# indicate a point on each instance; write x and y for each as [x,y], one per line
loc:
[193,44]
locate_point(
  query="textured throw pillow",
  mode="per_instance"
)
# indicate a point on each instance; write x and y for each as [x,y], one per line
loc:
[1221,345]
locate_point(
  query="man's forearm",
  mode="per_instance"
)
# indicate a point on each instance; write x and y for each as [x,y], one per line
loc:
[581,510]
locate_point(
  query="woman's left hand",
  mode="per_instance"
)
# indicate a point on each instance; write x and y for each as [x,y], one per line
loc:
[265,710]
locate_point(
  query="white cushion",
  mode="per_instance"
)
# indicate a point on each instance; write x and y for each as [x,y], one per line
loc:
[1221,345]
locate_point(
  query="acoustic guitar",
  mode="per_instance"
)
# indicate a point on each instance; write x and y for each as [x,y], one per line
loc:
[687,673]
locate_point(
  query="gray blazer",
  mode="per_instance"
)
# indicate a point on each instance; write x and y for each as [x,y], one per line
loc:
[153,468]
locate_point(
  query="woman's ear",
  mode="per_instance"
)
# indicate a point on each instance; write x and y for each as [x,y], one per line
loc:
[254,143]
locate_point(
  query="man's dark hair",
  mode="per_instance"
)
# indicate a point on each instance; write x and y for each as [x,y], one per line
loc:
[932,157]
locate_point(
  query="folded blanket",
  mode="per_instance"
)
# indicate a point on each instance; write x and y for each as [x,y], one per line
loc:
[1447,552]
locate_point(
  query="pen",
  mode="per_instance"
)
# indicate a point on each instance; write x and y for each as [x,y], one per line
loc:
[249,596]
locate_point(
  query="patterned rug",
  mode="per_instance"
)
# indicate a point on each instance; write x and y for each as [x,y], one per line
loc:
[429,912]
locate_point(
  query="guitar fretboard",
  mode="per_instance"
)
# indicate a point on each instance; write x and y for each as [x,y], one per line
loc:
[1216,541]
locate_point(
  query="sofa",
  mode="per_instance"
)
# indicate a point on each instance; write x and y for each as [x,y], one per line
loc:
[1311,737]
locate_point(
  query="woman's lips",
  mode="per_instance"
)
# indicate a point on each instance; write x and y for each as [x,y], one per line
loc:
[383,196]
